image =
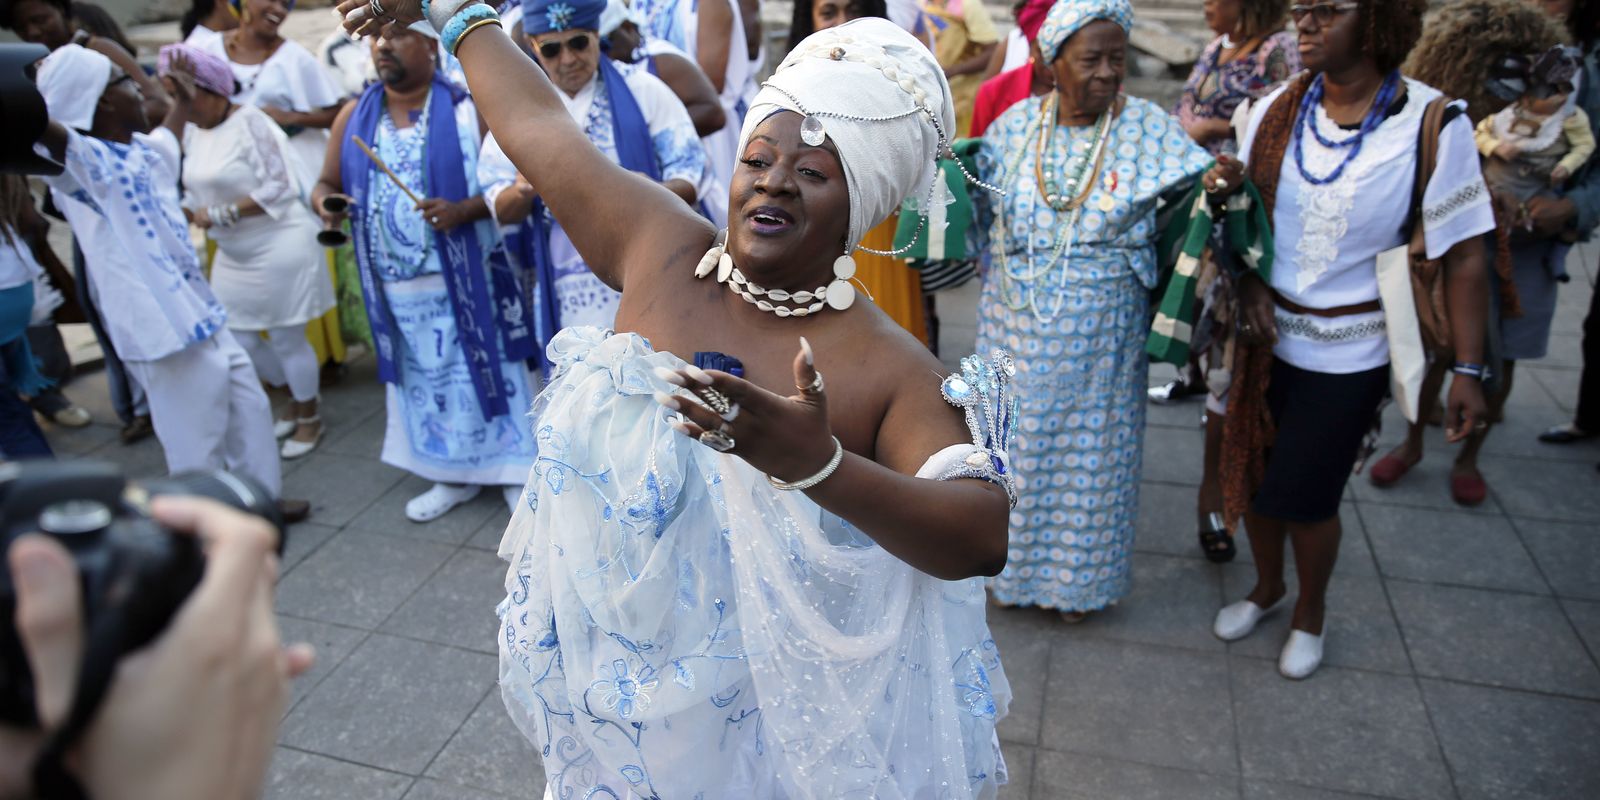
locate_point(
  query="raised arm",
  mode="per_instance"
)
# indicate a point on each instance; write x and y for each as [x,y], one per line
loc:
[714,34]
[698,95]
[577,182]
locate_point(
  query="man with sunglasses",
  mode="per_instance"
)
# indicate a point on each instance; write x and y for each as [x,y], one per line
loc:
[634,119]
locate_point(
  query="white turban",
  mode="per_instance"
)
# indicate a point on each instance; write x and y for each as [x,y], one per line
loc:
[616,13]
[71,80]
[867,68]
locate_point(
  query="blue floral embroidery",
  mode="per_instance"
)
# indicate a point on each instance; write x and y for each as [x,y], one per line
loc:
[626,692]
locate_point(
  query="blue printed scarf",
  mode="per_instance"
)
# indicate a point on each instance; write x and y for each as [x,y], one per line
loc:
[486,302]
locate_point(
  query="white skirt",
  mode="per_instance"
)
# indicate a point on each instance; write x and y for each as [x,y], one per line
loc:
[271,273]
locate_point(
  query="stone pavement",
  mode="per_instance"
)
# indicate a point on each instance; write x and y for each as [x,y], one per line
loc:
[1461,655]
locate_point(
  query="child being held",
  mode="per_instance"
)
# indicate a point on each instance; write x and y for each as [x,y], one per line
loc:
[1537,143]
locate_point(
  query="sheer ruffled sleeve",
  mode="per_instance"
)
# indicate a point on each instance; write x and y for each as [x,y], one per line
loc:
[265,150]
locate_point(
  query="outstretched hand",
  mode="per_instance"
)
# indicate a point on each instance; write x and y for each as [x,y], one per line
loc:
[178,79]
[359,20]
[787,438]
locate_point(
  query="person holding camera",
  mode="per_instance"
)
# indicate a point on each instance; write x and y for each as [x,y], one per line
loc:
[119,192]
[193,715]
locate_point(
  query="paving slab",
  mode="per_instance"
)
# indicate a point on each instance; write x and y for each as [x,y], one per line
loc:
[1172,603]
[1451,547]
[1506,745]
[340,487]
[358,579]
[333,643]
[387,515]
[1355,553]
[1562,492]
[1154,705]
[1069,776]
[1342,729]
[1567,553]
[428,789]
[1268,790]
[393,704]
[1511,640]
[456,605]
[299,775]
[1024,640]
[1586,619]
[488,753]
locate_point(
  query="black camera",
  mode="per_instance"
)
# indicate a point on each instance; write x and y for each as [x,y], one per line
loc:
[135,573]
[23,110]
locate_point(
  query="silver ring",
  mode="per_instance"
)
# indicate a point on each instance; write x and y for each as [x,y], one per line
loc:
[717,440]
[434,220]
[377,8]
[815,387]
[717,401]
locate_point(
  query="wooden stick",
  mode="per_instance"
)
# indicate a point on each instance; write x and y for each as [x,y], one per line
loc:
[415,200]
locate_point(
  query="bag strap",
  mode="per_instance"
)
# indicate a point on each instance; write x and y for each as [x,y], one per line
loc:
[1427,160]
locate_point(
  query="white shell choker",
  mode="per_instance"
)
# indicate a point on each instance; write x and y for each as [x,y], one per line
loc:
[837,295]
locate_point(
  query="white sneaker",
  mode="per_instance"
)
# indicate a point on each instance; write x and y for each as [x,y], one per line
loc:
[1302,654]
[438,501]
[1239,620]
[512,495]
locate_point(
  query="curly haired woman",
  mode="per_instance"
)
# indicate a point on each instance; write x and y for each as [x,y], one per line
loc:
[1462,45]
[1333,155]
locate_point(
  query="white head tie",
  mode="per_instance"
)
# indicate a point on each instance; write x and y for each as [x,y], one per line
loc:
[882,98]
[71,80]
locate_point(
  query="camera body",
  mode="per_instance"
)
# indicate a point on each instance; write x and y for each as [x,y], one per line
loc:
[133,570]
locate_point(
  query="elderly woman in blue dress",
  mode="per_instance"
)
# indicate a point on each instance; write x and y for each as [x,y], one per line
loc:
[1070,257]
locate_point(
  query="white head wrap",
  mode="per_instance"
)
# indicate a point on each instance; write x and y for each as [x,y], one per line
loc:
[71,79]
[879,94]
[616,13]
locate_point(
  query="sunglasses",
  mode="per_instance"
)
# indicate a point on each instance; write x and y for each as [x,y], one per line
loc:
[552,50]
[1323,13]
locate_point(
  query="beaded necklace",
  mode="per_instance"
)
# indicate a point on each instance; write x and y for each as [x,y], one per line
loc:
[1018,290]
[1307,120]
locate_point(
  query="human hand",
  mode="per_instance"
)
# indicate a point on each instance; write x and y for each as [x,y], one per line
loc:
[1225,177]
[1204,131]
[283,116]
[359,20]
[442,214]
[1550,216]
[1507,151]
[194,714]
[1559,175]
[333,208]
[1466,411]
[178,80]
[1258,321]
[787,438]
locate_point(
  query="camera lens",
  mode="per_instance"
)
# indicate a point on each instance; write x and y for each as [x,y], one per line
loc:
[74,517]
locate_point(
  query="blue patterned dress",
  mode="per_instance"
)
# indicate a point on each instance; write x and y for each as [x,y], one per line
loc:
[1076,324]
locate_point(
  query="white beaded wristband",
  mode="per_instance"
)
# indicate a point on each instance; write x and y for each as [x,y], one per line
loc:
[827,471]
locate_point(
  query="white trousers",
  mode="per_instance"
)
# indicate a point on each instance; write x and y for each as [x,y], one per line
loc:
[284,357]
[209,411]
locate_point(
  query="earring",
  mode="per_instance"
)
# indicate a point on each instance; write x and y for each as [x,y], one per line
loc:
[842,295]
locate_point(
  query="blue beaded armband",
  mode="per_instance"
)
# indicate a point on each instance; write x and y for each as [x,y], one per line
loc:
[1470,370]
[464,19]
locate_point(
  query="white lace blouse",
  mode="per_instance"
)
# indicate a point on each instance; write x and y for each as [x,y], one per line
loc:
[1329,236]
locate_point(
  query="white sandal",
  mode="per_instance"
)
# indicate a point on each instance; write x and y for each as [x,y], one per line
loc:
[437,501]
[293,449]
[283,428]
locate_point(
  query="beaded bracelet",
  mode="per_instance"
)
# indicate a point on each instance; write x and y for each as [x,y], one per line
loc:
[1470,370]
[465,21]
[827,471]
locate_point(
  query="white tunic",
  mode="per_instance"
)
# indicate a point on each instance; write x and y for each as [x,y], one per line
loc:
[292,79]
[1329,236]
[121,201]
[722,147]
[269,270]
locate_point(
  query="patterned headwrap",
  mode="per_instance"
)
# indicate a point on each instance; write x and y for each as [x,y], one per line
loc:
[210,73]
[1069,16]
[1031,18]
[237,7]
[879,95]
[1539,75]
[549,16]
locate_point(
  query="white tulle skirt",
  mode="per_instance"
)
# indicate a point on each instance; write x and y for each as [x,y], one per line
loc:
[675,627]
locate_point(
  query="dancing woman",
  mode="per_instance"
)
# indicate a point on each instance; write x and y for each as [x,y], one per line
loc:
[786,584]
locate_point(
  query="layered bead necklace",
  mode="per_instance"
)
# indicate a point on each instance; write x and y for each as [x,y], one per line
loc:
[1018,286]
[1307,120]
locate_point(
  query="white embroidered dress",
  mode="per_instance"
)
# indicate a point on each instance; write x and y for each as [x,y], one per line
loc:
[677,628]
[269,271]
[1329,236]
